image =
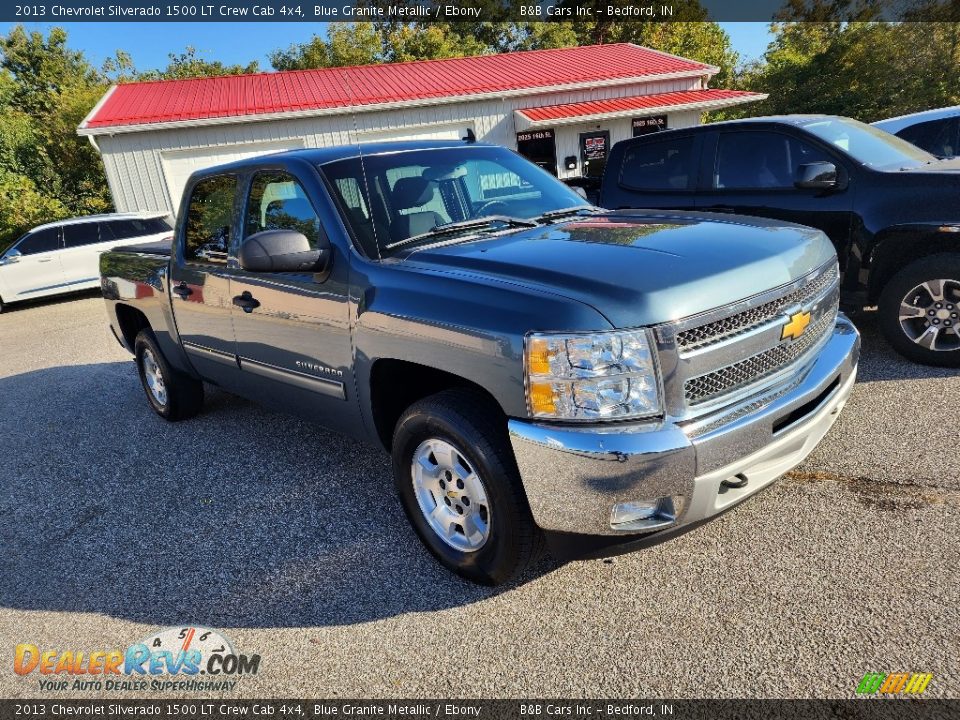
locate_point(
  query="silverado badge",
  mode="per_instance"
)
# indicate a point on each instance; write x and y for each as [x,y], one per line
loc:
[795,326]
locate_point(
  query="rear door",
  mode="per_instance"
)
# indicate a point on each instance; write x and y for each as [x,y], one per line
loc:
[658,171]
[200,282]
[36,271]
[752,172]
[80,258]
[294,346]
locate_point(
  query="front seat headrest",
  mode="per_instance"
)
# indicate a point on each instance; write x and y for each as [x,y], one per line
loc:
[411,192]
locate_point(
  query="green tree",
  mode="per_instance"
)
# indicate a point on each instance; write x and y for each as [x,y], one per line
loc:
[46,170]
[866,70]
[189,64]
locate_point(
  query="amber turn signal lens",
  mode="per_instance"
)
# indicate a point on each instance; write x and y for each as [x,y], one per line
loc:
[539,354]
[543,400]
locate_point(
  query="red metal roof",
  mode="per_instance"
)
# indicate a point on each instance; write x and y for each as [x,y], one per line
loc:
[330,88]
[550,113]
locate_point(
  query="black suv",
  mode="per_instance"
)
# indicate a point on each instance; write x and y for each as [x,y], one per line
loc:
[891,209]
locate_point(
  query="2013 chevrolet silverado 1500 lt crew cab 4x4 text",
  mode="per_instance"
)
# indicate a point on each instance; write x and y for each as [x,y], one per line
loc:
[539,369]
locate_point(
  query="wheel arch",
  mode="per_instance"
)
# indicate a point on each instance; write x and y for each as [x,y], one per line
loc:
[131,321]
[901,246]
[396,384]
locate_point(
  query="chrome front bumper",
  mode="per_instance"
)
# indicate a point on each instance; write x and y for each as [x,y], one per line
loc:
[573,476]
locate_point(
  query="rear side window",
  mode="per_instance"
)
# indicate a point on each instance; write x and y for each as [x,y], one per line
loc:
[209,214]
[278,202]
[761,160]
[665,164]
[40,242]
[936,136]
[135,227]
[80,234]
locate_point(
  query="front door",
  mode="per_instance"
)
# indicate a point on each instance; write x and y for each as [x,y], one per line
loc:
[594,148]
[753,173]
[36,271]
[200,282]
[293,329]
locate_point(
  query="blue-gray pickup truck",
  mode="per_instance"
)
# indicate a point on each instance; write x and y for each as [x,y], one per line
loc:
[540,370]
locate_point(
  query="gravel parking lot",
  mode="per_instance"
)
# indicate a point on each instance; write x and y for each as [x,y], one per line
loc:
[114,523]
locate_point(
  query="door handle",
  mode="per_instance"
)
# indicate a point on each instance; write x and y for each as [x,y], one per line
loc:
[44,260]
[182,290]
[246,302]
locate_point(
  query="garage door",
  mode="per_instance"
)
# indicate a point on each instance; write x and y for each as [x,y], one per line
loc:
[427,132]
[179,164]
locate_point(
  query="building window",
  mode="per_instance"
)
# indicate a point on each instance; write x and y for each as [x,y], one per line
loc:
[647,125]
[540,147]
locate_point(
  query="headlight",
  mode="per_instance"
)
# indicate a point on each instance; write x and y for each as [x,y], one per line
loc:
[595,376]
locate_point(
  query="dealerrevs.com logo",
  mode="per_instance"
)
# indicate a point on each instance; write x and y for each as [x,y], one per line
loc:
[182,658]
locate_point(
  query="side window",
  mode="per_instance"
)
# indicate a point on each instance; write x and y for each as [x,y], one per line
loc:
[135,227]
[80,234]
[936,136]
[40,242]
[761,160]
[278,202]
[209,214]
[666,164]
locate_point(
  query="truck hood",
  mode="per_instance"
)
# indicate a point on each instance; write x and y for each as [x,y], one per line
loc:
[642,267]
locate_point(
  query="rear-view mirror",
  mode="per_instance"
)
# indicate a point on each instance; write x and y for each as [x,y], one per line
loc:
[817,176]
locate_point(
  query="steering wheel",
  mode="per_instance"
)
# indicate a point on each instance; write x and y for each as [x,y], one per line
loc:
[484,209]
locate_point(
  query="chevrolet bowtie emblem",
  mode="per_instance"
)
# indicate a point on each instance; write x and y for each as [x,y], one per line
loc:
[795,327]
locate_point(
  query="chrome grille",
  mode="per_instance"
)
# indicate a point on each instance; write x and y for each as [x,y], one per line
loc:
[746,372]
[717,331]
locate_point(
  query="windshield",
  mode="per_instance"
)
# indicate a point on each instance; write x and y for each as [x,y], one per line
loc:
[410,194]
[868,145]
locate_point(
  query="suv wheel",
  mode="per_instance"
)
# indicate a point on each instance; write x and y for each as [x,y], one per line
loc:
[172,395]
[459,485]
[920,311]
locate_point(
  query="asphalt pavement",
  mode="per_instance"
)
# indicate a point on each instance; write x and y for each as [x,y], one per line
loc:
[289,539]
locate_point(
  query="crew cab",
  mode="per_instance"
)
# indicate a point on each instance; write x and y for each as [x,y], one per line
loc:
[891,209]
[539,369]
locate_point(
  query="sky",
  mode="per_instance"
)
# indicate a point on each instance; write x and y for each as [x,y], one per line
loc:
[150,43]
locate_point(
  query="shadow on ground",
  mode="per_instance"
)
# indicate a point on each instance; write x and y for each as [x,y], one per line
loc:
[879,362]
[239,517]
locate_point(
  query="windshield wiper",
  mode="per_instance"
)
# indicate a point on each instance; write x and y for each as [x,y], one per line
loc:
[563,212]
[470,224]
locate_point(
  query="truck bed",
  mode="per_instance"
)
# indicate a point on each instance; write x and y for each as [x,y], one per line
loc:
[158,248]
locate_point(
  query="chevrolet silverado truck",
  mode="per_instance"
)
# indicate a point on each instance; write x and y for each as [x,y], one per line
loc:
[539,369]
[890,208]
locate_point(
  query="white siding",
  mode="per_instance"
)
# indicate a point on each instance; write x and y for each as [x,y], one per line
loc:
[135,165]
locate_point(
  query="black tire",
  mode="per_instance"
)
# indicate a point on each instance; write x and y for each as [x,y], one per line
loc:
[945,266]
[183,396]
[468,421]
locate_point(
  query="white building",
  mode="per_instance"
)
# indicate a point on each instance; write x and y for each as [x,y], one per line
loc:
[561,108]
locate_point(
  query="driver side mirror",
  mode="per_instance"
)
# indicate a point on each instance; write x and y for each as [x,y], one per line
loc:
[817,176]
[13,256]
[283,251]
